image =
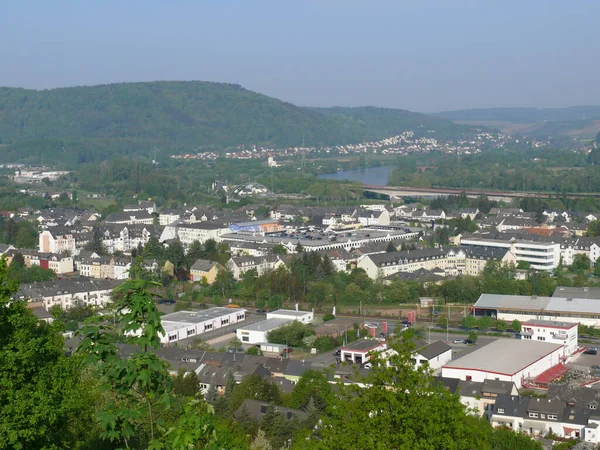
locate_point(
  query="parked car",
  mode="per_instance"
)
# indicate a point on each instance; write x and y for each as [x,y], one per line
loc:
[595,367]
[261,311]
[469,341]
[288,350]
[368,365]
[338,353]
[168,301]
[458,341]
[591,351]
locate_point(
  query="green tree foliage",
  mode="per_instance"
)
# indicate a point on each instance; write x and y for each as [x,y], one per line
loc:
[186,383]
[96,244]
[312,385]
[505,439]
[254,387]
[292,334]
[515,326]
[473,336]
[20,234]
[469,322]
[93,124]
[581,263]
[44,396]
[400,408]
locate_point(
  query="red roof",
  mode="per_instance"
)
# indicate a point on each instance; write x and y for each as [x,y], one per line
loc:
[551,374]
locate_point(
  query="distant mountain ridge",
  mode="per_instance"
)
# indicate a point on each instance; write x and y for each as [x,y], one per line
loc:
[573,113]
[581,121]
[92,123]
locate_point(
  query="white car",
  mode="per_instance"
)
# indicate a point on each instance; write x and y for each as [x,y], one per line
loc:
[368,365]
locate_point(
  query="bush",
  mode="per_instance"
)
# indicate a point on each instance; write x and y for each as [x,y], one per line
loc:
[253,351]
[327,317]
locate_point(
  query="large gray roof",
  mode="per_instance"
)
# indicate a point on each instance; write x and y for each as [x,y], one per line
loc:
[535,303]
[199,315]
[504,356]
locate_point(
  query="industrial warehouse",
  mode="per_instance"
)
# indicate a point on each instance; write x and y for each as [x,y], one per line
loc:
[186,324]
[525,307]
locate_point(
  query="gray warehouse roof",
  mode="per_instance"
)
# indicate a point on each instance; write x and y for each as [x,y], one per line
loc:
[290,312]
[266,325]
[504,356]
[200,315]
[534,303]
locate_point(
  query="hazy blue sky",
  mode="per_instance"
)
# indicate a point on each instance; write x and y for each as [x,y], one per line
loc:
[420,55]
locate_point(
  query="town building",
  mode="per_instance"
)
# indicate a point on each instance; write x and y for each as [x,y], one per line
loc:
[435,355]
[256,333]
[204,269]
[507,360]
[357,352]
[525,307]
[540,255]
[289,314]
[57,240]
[187,324]
[564,333]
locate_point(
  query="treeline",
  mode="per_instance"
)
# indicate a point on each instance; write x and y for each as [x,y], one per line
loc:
[505,170]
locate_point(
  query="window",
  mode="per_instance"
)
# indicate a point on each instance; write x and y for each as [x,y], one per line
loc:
[541,338]
[191,332]
[542,416]
[245,339]
[469,378]
[552,416]
[500,410]
[593,406]
[533,415]
[172,337]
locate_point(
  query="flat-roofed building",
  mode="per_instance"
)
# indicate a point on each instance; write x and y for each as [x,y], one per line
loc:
[526,307]
[541,255]
[358,351]
[564,333]
[506,360]
[256,333]
[186,324]
[290,314]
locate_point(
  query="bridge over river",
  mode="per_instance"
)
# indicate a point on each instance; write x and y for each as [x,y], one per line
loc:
[506,196]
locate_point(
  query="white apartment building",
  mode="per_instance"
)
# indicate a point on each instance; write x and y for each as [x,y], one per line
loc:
[564,333]
[57,241]
[188,233]
[541,255]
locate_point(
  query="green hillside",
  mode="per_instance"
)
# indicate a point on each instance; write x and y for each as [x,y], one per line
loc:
[85,124]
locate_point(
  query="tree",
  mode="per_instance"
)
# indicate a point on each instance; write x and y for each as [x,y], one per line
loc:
[469,322]
[501,325]
[45,400]
[18,261]
[260,442]
[312,385]
[254,387]
[96,244]
[473,336]
[524,265]
[515,326]
[292,334]
[593,228]
[212,394]
[484,323]
[581,263]
[398,406]
[505,439]
[391,247]
[279,250]
[235,343]
[253,351]
[597,267]
[140,387]
[186,383]
[224,283]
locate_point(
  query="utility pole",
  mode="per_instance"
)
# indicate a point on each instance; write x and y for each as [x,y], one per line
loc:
[447,324]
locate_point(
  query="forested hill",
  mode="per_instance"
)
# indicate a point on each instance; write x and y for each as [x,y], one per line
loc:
[577,121]
[84,124]
[574,113]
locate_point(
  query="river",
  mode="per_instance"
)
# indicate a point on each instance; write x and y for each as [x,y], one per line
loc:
[376,176]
